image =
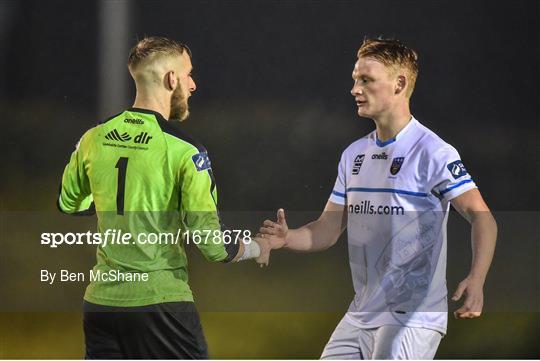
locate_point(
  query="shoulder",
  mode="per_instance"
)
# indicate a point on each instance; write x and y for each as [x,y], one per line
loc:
[88,137]
[190,151]
[102,125]
[436,154]
[179,137]
[432,144]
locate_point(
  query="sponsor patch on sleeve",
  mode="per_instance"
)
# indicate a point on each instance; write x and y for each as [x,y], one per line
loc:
[457,169]
[201,161]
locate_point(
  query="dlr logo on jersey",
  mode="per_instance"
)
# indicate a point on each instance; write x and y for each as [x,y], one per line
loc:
[142,138]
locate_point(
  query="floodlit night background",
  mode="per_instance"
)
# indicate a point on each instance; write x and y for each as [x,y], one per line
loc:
[273,108]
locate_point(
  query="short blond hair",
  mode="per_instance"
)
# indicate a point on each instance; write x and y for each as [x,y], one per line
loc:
[152,46]
[392,53]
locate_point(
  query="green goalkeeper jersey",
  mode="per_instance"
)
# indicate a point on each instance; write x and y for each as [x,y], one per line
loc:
[143,176]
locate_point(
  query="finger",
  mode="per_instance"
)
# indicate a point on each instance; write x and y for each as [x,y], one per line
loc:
[467,303]
[264,256]
[263,261]
[269,223]
[467,314]
[469,309]
[475,306]
[281,216]
[266,230]
[460,312]
[472,302]
[459,291]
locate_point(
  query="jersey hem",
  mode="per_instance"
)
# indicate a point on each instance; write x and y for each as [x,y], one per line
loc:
[459,190]
[351,320]
[180,297]
[337,200]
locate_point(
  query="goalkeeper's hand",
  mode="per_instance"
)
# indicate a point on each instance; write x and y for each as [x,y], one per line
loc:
[265,247]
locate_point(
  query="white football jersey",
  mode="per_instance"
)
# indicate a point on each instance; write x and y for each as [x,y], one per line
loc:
[397,197]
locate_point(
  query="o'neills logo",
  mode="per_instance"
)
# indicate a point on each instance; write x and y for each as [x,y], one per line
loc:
[133,121]
[383,155]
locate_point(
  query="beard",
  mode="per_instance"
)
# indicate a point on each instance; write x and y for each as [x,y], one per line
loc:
[179,105]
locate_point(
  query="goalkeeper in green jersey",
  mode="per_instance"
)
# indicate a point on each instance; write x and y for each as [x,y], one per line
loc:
[143,175]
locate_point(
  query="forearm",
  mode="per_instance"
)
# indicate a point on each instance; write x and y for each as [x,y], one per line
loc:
[483,240]
[312,237]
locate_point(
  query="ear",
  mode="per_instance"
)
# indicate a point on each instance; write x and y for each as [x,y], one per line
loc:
[170,81]
[401,84]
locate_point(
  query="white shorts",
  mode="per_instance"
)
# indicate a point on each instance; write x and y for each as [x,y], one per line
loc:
[385,342]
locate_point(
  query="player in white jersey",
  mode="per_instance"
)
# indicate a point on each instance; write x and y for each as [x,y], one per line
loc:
[393,193]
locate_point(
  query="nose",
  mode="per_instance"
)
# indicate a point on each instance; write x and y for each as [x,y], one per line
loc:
[356,90]
[192,85]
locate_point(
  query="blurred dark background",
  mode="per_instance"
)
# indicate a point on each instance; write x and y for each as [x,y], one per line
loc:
[274,110]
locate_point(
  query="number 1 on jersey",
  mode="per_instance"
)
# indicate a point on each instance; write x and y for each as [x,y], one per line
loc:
[122,167]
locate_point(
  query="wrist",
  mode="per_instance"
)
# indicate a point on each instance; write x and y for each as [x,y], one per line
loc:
[476,278]
[251,250]
[287,240]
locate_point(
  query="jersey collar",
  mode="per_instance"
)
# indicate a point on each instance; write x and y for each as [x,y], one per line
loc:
[403,131]
[158,116]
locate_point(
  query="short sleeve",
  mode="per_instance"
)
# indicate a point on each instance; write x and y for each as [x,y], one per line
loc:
[339,192]
[199,193]
[199,206]
[448,177]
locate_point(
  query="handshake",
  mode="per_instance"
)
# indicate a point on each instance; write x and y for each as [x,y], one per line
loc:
[272,235]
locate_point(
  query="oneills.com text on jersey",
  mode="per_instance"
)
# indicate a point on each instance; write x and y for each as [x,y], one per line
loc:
[366,207]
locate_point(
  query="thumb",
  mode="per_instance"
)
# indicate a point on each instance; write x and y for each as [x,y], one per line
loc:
[459,291]
[281,216]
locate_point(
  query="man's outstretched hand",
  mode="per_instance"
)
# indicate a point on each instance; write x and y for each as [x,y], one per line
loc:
[273,235]
[276,232]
